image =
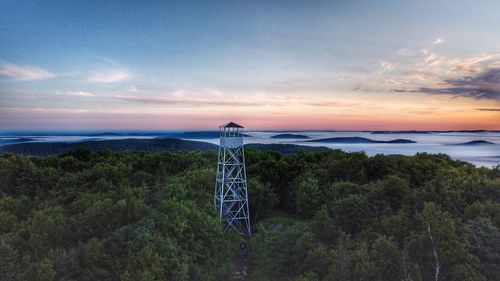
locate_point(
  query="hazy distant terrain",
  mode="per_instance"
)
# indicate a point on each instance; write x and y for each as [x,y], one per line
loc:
[478,147]
[360,140]
[148,145]
[289,136]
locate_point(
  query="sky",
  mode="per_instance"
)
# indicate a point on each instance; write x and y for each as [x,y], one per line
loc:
[322,65]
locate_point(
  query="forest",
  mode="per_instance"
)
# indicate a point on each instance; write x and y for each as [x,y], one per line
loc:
[324,215]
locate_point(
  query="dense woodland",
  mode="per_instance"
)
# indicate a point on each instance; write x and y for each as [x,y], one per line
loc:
[327,215]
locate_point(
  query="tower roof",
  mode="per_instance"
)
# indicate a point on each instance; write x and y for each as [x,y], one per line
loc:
[231,125]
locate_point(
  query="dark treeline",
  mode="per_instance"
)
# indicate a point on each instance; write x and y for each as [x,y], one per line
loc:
[327,215]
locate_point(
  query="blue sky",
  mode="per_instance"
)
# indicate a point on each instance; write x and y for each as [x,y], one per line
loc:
[270,64]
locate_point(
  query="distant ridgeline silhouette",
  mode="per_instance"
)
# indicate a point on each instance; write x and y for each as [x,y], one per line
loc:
[148,145]
[359,140]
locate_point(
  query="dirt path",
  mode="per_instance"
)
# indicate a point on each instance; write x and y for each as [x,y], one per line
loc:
[241,264]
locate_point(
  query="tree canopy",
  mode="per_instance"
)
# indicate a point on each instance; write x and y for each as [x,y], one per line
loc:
[325,215]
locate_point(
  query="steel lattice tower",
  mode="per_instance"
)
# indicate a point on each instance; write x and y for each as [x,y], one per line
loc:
[231,196]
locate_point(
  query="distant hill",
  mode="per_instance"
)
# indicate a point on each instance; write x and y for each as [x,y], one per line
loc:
[359,140]
[399,132]
[289,136]
[194,135]
[8,140]
[150,145]
[285,148]
[398,141]
[472,131]
[476,142]
[431,132]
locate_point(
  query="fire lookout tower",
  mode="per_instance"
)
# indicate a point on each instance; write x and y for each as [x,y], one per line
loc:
[231,196]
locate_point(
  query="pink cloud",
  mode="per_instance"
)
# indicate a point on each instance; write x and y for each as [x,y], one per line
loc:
[24,73]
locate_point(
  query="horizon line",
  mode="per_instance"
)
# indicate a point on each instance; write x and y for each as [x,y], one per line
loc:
[252,130]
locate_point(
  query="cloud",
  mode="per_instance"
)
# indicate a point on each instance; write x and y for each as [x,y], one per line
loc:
[24,73]
[386,66]
[338,104]
[488,109]
[189,101]
[485,85]
[80,94]
[438,41]
[109,76]
[429,72]
[214,98]
[476,64]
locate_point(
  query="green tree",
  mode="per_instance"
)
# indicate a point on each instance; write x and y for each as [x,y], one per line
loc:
[442,247]
[262,198]
[46,272]
[308,197]
[387,259]
[9,263]
[324,227]
[360,267]
[484,239]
